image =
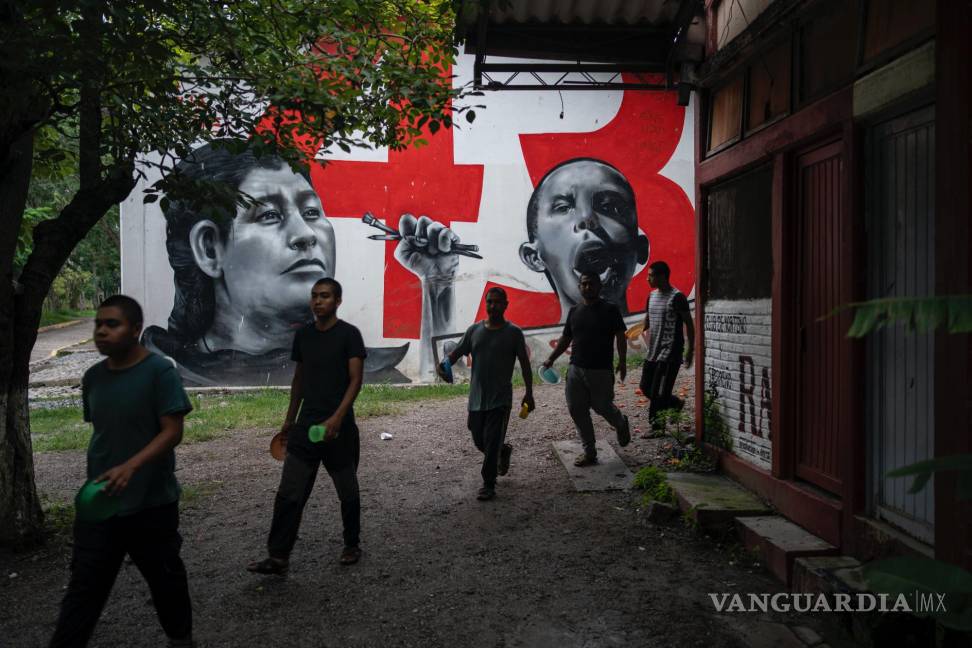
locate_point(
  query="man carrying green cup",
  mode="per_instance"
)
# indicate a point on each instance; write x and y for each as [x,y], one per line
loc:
[319,428]
[136,404]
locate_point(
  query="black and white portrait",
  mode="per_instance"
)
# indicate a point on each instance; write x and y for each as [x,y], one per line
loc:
[582,218]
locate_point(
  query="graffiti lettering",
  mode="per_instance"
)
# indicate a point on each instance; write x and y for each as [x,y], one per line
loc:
[746,393]
[746,446]
[719,378]
[718,323]
[765,403]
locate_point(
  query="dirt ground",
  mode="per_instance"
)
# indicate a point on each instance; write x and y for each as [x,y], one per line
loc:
[542,565]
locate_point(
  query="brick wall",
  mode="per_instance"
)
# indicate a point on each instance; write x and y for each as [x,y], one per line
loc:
[738,343]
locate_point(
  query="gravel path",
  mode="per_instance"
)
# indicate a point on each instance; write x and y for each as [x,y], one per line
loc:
[541,565]
[55,338]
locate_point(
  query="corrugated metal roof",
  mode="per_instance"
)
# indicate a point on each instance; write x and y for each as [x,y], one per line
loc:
[609,12]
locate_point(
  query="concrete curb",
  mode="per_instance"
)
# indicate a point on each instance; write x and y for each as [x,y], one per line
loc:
[60,325]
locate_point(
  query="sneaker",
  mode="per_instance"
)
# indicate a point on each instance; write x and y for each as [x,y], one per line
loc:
[504,459]
[486,493]
[350,555]
[624,433]
[585,460]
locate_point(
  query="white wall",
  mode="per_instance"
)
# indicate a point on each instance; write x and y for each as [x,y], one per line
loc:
[738,363]
[492,141]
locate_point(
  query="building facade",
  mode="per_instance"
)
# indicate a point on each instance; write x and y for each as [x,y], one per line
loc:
[833,168]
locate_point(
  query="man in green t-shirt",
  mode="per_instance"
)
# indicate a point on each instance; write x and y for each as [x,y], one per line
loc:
[494,344]
[136,404]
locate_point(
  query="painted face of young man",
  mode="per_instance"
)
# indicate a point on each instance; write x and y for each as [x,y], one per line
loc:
[324,303]
[586,222]
[114,335]
[277,247]
[496,305]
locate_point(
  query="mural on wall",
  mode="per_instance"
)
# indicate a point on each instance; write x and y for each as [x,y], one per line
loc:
[738,348]
[522,198]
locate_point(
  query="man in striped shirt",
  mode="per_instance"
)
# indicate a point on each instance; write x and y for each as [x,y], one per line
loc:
[666,312]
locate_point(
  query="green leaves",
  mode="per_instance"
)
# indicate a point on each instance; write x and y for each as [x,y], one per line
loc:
[919,314]
[923,471]
[946,587]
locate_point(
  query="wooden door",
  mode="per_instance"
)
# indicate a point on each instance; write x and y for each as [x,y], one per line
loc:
[823,354]
[900,364]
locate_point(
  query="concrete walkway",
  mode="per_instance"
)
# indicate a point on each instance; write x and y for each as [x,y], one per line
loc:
[55,338]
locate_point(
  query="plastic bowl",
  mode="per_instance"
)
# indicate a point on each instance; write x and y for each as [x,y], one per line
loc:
[278,447]
[549,375]
[636,330]
[93,504]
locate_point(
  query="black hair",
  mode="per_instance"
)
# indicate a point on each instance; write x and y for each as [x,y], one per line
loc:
[500,291]
[225,162]
[533,206]
[128,306]
[333,283]
[661,269]
[591,275]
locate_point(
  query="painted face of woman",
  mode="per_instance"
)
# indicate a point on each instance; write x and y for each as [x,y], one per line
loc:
[278,246]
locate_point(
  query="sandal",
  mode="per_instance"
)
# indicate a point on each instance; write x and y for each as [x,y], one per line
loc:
[274,566]
[350,555]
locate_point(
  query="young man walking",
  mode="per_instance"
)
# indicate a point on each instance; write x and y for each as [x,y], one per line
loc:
[666,313]
[136,403]
[592,326]
[494,344]
[329,356]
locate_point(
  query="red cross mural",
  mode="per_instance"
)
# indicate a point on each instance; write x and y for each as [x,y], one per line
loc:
[419,181]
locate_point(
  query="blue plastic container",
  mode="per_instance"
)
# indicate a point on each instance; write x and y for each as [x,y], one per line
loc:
[446,369]
[548,375]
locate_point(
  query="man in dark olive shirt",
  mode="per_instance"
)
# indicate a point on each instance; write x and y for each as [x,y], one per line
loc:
[494,345]
[327,378]
[593,326]
[136,404]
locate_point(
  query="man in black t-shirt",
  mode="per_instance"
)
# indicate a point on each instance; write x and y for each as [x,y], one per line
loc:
[329,356]
[593,325]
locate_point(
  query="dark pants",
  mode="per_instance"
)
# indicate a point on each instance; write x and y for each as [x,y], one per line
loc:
[151,537]
[296,484]
[488,432]
[657,382]
[589,389]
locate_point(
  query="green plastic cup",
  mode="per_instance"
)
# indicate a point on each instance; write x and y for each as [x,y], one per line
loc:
[93,504]
[316,433]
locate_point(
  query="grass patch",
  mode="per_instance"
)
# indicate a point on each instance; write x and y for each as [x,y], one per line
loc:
[58,428]
[58,516]
[59,316]
[655,484]
[194,494]
[213,415]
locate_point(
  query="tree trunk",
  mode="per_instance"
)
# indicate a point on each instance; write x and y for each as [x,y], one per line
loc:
[20,515]
[21,519]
